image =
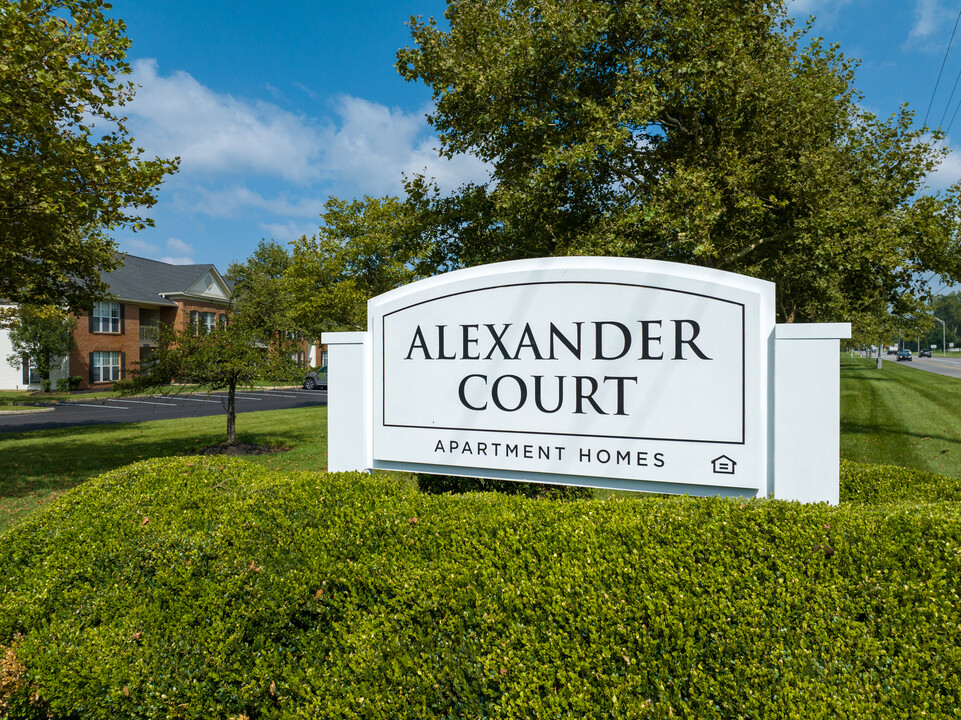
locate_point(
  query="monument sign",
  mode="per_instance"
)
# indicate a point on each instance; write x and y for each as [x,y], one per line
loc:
[601,372]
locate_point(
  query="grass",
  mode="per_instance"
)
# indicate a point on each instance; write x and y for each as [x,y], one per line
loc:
[900,415]
[896,416]
[9,399]
[39,466]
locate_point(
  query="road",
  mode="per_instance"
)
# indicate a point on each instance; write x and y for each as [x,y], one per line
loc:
[158,407]
[950,366]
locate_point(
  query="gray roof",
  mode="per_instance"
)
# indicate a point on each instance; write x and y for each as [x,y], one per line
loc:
[140,279]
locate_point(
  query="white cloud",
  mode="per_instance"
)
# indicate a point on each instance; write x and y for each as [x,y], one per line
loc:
[948,172]
[373,146]
[929,18]
[366,146]
[230,201]
[181,253]
[137,247]
[286,232]
[213,132]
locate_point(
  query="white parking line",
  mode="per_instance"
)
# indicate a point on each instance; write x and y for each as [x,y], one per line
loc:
[193,399]
[108,407]
[144,402]
[261,394]
[244,397]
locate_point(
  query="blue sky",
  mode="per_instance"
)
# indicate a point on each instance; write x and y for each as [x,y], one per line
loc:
[273,107]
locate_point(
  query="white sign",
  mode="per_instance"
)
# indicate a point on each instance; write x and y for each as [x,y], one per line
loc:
[589,367]
[603,372]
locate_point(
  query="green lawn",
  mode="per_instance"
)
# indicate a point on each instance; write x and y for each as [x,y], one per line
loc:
[900,415]
[36,467]
[12,398]
[896,416]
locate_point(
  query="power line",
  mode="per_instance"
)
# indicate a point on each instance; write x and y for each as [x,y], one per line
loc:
[943,61]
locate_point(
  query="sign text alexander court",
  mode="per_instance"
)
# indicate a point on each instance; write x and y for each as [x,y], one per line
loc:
[603,340]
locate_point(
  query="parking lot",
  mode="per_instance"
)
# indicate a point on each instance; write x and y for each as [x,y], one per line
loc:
[159,407]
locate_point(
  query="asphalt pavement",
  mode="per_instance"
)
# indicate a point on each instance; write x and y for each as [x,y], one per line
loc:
[158,407]
[950,366]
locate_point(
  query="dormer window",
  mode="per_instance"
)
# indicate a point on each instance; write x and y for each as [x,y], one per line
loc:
[105,317]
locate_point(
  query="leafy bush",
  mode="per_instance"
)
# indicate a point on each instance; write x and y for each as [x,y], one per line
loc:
[210,587]
[45,385]
[873,484]
[63,385]
[441,484]
[75,381]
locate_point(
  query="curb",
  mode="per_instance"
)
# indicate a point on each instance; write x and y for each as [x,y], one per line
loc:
[25,411]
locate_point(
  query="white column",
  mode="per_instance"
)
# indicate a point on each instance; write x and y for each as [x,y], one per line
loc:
[348,393]
[806,421]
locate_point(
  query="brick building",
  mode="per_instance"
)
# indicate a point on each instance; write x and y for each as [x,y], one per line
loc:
[115,335]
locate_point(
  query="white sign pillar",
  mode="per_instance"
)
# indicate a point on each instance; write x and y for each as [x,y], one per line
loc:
[807,413]
[348,401]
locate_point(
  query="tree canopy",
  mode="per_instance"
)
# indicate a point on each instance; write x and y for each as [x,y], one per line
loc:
[363,248]
[261,299]
[710,132]
[69,170]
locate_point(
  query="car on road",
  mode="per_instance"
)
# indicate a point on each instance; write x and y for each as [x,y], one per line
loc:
[924,353]
[316,379]
[904,355]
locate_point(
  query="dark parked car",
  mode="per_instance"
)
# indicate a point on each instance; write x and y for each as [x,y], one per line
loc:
[317,379]
[904,355]
[924,353]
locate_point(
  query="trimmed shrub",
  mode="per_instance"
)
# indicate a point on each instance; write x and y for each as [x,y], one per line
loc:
[63,385]
[875,484]
[441,484]
[212,588]
[75,381]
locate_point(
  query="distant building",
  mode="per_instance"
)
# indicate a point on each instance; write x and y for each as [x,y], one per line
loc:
[115,335]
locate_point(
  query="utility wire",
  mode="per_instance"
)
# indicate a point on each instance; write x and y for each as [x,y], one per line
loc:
[948,105]
[943,61]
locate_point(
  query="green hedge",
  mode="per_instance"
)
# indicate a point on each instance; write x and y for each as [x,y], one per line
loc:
[873,484]
[211,588]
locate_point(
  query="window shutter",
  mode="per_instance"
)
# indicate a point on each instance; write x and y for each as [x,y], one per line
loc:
[123,360]
[90,318]
[121,318]
[90,366]
[26,370]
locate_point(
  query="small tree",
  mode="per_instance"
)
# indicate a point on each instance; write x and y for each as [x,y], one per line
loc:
[40,333]
[226,357]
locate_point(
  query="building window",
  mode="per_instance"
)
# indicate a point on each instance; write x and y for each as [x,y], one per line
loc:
[30,375]
[204,322]
[105,317]
[105,366]
[323,358]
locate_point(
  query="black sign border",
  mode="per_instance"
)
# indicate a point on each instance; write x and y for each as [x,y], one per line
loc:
[383,364]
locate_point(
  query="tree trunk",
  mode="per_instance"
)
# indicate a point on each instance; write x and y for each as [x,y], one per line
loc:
[231,414]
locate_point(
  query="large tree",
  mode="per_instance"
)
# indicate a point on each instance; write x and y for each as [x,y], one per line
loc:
[69,170]
[363,248]
[261,299]
[700,131]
